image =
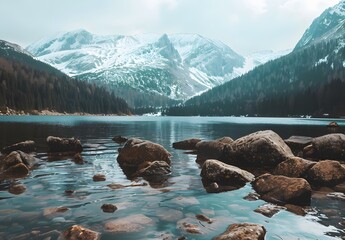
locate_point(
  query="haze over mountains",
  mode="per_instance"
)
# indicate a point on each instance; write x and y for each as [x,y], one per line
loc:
[177,66]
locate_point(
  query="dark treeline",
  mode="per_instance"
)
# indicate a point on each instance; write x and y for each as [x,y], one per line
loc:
[297,84]
[27,84]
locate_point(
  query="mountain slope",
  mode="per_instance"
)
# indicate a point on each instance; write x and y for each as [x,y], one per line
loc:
[310,80]
[28,84]
[177,66]
[330,24]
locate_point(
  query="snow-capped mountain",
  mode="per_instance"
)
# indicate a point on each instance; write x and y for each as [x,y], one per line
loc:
[330,24]
[178,66]
[12,47]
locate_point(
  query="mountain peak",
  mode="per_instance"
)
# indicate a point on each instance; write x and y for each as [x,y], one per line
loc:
[327,26]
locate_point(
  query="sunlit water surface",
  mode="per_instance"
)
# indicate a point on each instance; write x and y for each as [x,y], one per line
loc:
[182,197]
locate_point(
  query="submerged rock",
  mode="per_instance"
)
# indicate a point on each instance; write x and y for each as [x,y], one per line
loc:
[214,171]
[331,147]
[204,218]
[188,144]
[189,228]
[77,232]
[326,173]
[243,231]
[57,144]
[263,148]
[294,167]
[132,223]
[27,147]
[136,152]
[269,210]
[282,190]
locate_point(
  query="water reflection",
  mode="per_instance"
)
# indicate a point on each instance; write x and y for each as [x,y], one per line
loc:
[183,195]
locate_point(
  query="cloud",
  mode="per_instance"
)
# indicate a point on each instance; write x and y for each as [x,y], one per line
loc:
[258,7]
[156,5]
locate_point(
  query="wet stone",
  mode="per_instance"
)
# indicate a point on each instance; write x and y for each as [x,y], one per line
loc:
[108,208]
[269,210]
[17,189]
[252,197]
[99,177]
[80,233]
[203,218]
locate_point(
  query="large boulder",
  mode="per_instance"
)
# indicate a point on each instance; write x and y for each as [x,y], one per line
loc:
[214,171]
[326,173]
[136,152]
[27,147]
[188,144]
[327,147]
[263,148]
[57,144]
[155,170]
[294,167]
[243,231]
[210,150]
[80,233]
[282,190]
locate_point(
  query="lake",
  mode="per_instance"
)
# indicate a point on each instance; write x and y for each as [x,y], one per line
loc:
[178,200]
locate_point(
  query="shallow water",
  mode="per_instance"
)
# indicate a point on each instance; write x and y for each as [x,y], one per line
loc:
[181,197]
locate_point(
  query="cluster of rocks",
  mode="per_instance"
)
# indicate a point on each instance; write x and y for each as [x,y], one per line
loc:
[18,159]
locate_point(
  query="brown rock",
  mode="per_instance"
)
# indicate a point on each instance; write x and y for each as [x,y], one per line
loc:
[243,231]
[99,177]
[17,189]
[263,148]
[226,140]
[188,144]
[331,146]
[326,173]
[78,159]
[224,175]
[109,208]
[252,197]
[16,171]
[132,223]
[156,169]
[282,190]
[209,150]
[136,152]
[27,147]
[333,125]
[120,139]
[298,210]
[297,143]
[294,167]
[189,228]
[204,218]
[269,210]
[80,233]
[54,210]
[57,144]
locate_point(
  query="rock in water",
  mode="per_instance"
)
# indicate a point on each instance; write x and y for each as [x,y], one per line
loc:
[12,166]
[136,152]
[17,189]
[99,177]
[224,174]
[243,231]
[327,147]
[57,144]
[297,143]
[210,150]
[294,167]
[120,139]
[129,224]
[326,173]
[282,190]
[155,170]
[109,208]
[188,144]
[27,147]
[263,148]
[80,233]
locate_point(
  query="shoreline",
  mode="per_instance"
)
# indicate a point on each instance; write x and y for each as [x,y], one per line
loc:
[11,112]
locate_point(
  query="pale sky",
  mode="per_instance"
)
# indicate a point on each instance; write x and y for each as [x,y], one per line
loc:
[245,25]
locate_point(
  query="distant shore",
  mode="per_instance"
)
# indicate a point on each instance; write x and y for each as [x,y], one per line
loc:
[9,112]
